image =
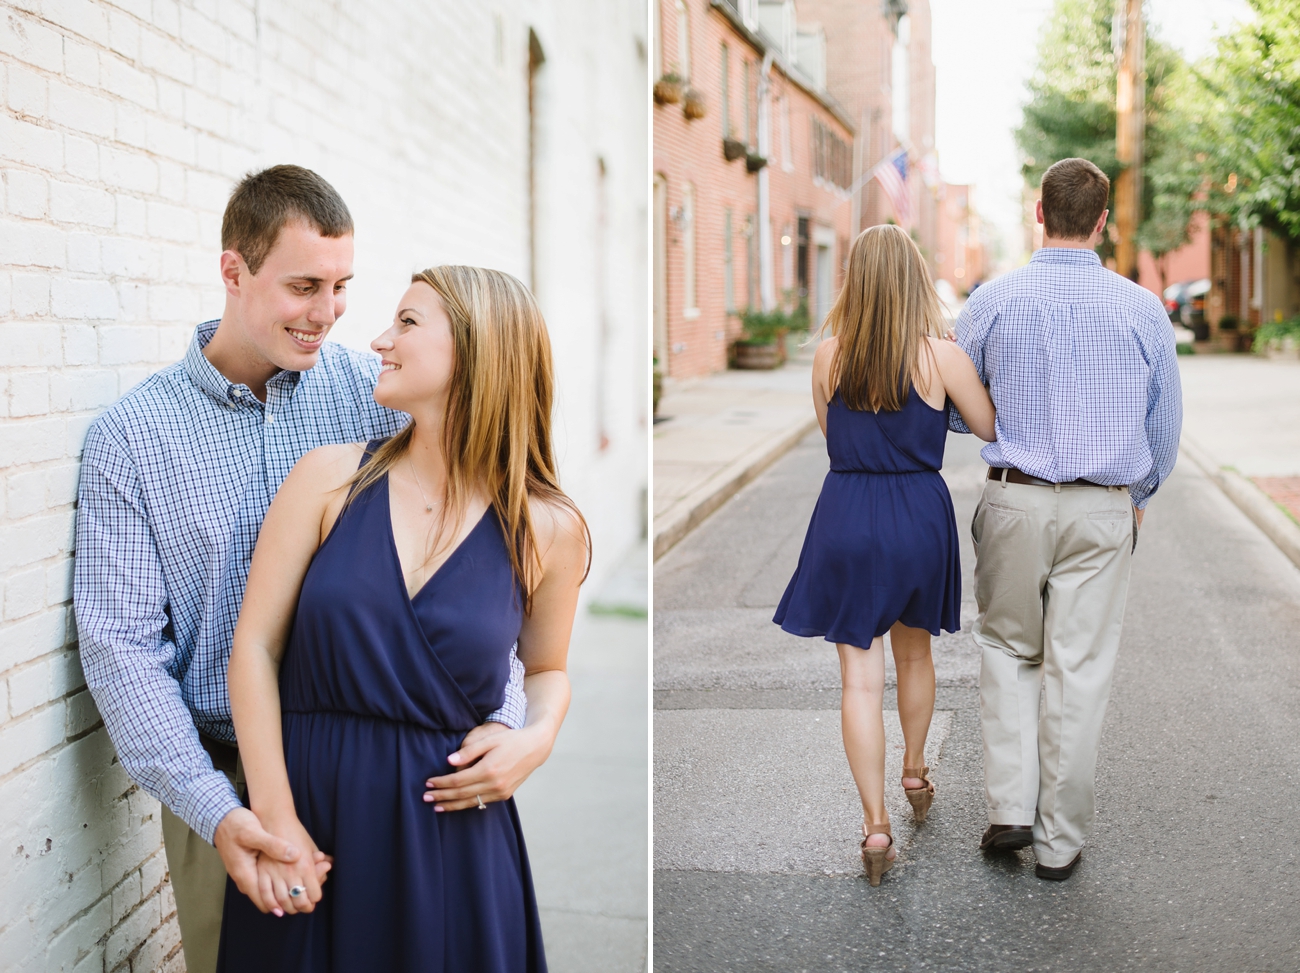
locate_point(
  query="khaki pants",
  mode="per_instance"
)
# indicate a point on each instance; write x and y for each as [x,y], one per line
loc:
[198,879]
[1051,579]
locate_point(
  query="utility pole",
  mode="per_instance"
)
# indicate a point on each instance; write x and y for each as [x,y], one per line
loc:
[1130,97]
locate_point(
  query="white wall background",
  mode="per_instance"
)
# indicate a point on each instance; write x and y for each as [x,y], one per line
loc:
[123,127]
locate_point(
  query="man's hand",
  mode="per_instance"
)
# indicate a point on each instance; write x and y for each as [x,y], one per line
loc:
[240,839]
[1137,513]
[495,761]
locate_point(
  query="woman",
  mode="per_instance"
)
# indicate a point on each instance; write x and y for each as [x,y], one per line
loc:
[881,551]
[389,583]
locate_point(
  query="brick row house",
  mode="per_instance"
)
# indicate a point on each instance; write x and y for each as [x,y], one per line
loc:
[769,117]
[753,165]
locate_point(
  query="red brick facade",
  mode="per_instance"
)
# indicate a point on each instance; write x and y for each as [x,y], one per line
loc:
[707,208]
[861,40]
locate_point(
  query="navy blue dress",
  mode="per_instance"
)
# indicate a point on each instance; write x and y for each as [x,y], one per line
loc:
[882,544]
[377,689]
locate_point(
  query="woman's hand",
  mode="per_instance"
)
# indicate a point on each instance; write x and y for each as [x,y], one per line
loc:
[275,878]
[495,761]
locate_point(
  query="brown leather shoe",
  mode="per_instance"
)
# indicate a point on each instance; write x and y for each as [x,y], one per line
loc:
[1007,837]
[1057,874]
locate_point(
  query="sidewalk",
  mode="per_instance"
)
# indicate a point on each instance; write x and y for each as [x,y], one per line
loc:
[717,433]
[1241,425]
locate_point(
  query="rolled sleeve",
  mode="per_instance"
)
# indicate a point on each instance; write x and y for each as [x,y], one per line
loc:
[1164,419]
[514,710]
[130,662]
[972,327]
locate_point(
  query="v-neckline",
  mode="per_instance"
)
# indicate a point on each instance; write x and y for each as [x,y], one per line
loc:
[397,560]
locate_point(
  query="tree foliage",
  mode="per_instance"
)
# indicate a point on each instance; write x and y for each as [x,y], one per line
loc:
[1242,150]
[1071,112]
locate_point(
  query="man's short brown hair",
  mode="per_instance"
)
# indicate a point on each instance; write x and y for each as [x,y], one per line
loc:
[265,201]
[1074,195]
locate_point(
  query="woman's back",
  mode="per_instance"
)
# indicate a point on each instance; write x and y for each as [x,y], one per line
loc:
[909,440]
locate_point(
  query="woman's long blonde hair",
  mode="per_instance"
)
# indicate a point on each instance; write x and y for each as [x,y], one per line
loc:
[887,305]
[496,434]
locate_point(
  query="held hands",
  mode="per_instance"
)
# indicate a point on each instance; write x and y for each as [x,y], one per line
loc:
[495,760]
[248,850]
[277,877]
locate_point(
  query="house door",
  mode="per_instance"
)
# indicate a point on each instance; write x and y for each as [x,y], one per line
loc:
[661,271]
[825,278]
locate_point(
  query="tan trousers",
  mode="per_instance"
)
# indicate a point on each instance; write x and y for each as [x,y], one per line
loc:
[1051,579]
[198,879]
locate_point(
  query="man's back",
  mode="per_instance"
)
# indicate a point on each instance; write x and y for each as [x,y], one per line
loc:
[1081,367]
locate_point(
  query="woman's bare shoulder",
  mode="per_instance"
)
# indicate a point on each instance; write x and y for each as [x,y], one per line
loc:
[325,468]
[557,526]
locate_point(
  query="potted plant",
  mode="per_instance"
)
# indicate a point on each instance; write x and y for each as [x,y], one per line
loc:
[692,103]
[754,161]
[668,89]
[1279,339]
[763,343]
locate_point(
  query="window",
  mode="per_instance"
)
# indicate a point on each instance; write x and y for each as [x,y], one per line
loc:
[688,250]
[726,92]
[728,263]
[900,82]
[751,261]
[683,42]
[832,158]
[749,132]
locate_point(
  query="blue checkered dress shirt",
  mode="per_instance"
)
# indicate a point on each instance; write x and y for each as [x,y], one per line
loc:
[1081,367]
[176,478]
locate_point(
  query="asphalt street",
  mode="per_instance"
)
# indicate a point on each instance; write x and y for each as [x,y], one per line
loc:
[1194,863]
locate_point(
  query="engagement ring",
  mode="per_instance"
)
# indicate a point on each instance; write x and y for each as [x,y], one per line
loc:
[481,805]
[297,890]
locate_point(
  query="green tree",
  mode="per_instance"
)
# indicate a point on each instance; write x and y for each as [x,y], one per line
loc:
[1242,146]
[1071,111]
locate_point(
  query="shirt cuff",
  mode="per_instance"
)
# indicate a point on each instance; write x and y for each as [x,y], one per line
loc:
[1140,494]
[208,799]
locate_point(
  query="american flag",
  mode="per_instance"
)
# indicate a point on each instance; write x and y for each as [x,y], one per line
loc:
[892,173]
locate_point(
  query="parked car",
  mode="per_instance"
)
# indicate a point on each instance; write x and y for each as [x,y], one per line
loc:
[1185,304]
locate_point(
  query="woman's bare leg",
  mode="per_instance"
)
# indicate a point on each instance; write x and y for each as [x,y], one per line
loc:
[915,667]
[862,673]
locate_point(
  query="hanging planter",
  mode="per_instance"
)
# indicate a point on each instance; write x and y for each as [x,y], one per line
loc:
[692,103]
[754,161]
[733,149]
[668,90]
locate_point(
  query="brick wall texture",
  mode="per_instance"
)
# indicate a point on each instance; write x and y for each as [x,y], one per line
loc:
[123,126]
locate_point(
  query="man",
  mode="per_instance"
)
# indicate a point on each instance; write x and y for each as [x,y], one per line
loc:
[1080,365]
[176,479]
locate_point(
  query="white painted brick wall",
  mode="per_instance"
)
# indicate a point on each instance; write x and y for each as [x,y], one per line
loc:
[123,126]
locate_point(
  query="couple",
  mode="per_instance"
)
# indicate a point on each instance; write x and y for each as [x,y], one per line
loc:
[1080,365]
[404,569]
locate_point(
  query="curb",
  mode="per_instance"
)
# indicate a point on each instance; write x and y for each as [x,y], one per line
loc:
[1253,502]
[690,511]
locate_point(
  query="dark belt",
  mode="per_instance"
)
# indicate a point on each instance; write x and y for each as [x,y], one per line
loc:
[1014,475]
[225,757]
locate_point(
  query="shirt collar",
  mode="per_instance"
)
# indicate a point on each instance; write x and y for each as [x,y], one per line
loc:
[1078,256]
[206,376]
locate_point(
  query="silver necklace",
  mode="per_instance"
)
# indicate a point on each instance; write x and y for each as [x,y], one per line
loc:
[428,507]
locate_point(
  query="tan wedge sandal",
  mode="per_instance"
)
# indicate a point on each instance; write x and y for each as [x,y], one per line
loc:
[875,860]
[919,797]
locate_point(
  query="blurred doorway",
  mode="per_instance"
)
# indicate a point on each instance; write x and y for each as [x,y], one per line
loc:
[661,270]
